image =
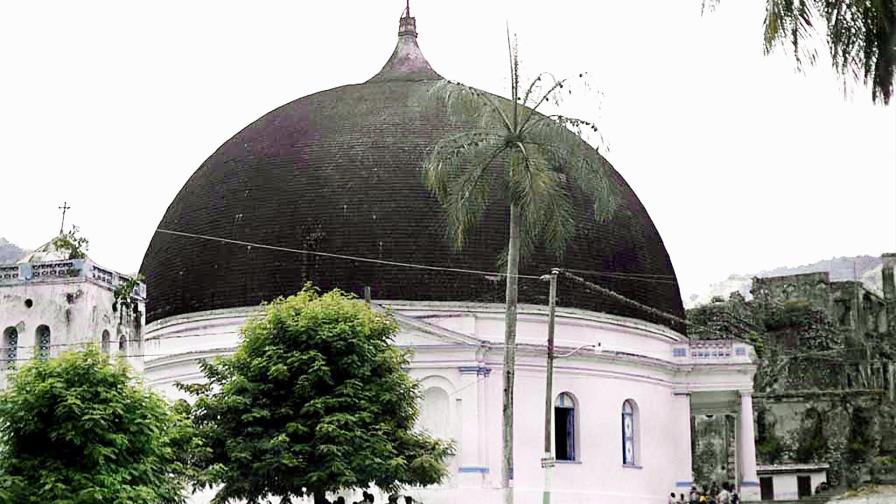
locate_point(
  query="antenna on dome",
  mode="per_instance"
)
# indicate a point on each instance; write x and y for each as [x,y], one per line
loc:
[407,8]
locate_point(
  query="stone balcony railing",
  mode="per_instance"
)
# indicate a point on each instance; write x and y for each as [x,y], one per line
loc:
[22,273]
[712,351]
[9,272]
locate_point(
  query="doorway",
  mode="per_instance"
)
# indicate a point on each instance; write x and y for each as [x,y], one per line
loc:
[766,488]
[803,486]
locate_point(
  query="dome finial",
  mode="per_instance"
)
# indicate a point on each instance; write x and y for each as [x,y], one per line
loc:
[407,62]
[407,25]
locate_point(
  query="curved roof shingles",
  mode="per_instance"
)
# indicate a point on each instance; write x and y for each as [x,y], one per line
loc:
[340,172]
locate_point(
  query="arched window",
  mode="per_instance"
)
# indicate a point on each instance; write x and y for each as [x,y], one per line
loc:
[630,433]
[122,343]
[434,412]
[10,347]
[106,342]
[42,341]
[565,427]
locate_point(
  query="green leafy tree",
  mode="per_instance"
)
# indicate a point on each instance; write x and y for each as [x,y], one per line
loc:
[861,36]
[532,160]
[314,400]
[78,429]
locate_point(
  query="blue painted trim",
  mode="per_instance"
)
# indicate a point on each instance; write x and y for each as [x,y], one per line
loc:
[749,483]
[476,370]
[472,469]
[684,484]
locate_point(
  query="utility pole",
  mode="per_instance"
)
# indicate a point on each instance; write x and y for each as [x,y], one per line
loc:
[548,461]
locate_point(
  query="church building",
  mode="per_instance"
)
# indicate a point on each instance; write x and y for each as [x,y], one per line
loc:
[328,189]
[340,172]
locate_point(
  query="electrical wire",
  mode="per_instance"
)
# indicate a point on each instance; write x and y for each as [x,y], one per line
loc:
[621,298]
[651,277]
[619,273]
[598,288]
[343,256]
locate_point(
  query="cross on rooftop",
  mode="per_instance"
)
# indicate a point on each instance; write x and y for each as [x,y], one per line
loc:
[64,207]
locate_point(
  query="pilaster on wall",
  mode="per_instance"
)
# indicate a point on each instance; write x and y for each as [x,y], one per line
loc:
[684,476]
[473,468]
[749,479]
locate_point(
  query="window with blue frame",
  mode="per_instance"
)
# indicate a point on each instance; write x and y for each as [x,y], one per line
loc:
[565,428]
[629,433]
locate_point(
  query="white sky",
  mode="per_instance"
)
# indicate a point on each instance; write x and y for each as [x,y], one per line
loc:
[743,163]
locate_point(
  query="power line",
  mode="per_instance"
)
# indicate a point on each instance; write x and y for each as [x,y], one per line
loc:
[566,272]
[619,273]
[619,297]
[111,354]
[116,340]
[343,256]
[633,276]
[624,276]
[598,288]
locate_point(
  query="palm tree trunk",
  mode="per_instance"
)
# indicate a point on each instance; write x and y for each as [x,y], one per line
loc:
[513,263]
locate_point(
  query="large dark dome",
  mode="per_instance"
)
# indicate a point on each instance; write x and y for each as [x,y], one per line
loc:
[340,172]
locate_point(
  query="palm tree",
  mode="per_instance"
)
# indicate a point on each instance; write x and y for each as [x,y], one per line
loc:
[532,160]
[861,36]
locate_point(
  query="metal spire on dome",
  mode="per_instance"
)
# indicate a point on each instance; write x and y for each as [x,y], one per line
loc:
[407,61]
[407,25]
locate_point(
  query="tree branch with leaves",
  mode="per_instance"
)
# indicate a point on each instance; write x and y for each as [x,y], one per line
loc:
[314,400]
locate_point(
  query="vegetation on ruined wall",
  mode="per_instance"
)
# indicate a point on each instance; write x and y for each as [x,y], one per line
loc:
[830,386]
[711,452]
[123,299]
[73,242]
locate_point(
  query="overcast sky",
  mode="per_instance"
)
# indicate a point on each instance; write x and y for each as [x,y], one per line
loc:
[743,163]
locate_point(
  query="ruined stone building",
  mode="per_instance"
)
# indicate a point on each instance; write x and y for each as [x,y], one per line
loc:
[826,385]
[865,321]
[849,303]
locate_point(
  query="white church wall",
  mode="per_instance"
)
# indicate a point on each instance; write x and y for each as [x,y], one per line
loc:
[598,470]
[573,328]
[459,361]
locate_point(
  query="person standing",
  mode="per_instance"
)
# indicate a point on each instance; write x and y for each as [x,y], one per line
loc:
[724,494]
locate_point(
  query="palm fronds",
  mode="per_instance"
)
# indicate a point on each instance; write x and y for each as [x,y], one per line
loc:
[535,159]
[861,36]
